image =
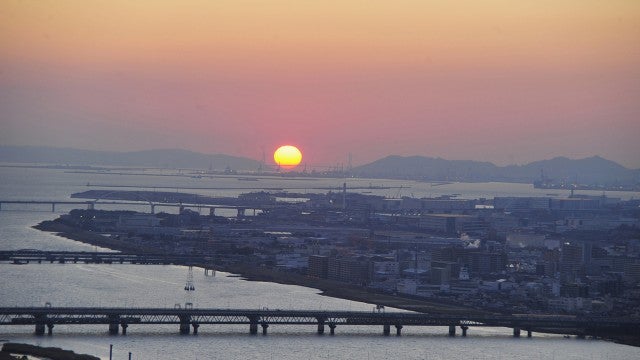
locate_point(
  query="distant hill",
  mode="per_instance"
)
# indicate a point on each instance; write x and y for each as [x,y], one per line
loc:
[161,158]
[427,168]
[592,170]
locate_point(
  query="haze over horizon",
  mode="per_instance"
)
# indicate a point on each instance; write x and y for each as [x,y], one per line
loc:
[499,81]
[12,156]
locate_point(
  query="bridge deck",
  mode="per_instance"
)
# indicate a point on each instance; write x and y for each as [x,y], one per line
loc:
[35,256]
[41,316]
[239,204]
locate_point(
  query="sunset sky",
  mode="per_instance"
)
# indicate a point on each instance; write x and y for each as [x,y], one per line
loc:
[506,81]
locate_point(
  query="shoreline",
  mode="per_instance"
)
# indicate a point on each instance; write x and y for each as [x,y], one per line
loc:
[87,237]
[346,291]
[326,287]
[9,349]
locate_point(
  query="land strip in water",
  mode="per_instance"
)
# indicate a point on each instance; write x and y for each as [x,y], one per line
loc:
[41,352]
[327,287]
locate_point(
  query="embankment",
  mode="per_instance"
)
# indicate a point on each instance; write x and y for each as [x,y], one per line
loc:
[346,291]
[45,352]
[328,287]
[88,237]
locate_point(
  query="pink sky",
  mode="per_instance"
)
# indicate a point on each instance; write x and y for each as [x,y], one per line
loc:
[501,81]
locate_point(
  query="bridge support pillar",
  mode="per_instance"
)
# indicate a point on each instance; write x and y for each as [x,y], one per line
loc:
[386,329]
[39,329]
[516,332]
[114,323]
[464,330]
[241,212]
[528,333]
[265,326]
[212,212]
[320,325]
[153,209]
[53,207]
[452,330]
[185,324]
[195,328]
[91,206]
[398,330]
[253,325]
[124,327]
[185,328]
[50,328]
[332,328]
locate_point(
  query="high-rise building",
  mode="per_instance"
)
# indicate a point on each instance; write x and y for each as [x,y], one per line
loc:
[571,262]
[318,266]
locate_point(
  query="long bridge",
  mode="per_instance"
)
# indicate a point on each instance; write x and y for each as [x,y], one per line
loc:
[91,204]
[27,256]
[188,318]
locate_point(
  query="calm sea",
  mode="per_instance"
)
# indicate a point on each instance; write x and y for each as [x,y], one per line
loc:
[162,286]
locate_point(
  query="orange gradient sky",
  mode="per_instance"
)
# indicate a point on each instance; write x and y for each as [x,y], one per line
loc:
[505,81]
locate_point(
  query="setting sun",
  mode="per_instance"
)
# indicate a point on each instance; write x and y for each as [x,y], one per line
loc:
[287,157]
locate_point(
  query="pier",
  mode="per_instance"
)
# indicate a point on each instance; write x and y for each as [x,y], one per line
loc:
[189,320]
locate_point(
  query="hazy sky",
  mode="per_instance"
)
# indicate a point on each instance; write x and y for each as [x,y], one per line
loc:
[506,81]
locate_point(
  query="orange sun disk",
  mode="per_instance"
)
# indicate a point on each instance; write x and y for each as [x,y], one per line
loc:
[287,157]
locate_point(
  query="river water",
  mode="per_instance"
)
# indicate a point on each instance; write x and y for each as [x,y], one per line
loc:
[162,286]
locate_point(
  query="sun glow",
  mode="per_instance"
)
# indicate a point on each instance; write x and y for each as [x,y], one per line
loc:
[287,157]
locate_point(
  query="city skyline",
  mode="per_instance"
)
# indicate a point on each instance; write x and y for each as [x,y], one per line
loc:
[505,82]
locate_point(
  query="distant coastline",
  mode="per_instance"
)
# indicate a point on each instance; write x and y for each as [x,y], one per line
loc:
[594,172]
